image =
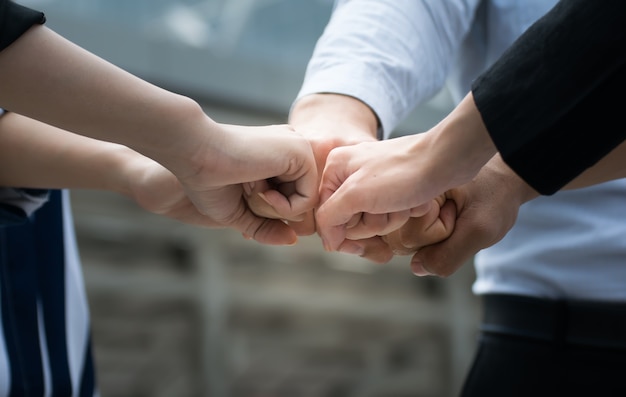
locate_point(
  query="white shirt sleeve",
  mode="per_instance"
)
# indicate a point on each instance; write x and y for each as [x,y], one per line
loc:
[390,54]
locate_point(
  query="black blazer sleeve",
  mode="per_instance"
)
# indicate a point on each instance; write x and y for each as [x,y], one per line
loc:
[15,20]
[552,102]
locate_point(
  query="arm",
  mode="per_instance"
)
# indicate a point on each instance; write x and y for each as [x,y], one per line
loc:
[448,155]
[390,54]
[553,86]
[487,208]
[329,121]
[37,155]
[365,76]
[48,78]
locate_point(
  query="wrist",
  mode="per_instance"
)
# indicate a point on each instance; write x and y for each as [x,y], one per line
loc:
[463,138]
[512,183]
[335,112]
[123,168]
[185,142]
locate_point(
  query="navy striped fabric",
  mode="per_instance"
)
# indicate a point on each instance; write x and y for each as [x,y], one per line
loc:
[33,299]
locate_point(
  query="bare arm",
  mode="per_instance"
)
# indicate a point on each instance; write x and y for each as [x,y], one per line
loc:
[47,78]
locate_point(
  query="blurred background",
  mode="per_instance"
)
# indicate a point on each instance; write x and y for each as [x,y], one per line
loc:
[181,311]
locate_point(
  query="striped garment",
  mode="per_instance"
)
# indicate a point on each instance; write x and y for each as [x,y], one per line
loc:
[45,346]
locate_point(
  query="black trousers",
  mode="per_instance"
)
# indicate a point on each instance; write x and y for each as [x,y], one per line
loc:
[533,348]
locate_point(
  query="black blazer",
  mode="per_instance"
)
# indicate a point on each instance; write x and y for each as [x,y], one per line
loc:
[554,102]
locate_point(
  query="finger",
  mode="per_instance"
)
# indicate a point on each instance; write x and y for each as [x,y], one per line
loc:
[429,229]
[421,210]
[306,194]
[373,249]
[394,241]
[445,258]
[257,202]
[331,219]
[377,225]
[356,218]
[263,230]
[278,206]
[447,215]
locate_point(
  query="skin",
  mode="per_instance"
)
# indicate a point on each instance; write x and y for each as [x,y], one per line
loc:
[37,155]
[47,78]
[487,207]
[485,200]
[377,178]
[331,121]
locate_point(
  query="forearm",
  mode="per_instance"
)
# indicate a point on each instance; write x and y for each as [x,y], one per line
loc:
[456,148]
[37,155]
[48,78]
[541,101]
[364,53]
[335,112]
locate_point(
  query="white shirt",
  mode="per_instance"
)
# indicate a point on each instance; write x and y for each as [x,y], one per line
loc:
[396,54]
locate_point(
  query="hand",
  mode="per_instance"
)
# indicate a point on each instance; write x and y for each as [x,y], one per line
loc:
[157,190]
[329,121]
[486,209]
[401,174]
[239,154]
[373,180]
[418,231]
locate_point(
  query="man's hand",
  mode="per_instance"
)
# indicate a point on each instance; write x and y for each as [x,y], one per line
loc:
[486,209]
[377,183]
[329,121]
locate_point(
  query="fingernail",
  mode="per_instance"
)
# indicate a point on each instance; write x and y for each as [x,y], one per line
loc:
[265,199]
[418,269]
[351,248]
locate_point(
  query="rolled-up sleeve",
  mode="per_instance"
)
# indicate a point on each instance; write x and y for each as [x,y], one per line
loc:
[390,54]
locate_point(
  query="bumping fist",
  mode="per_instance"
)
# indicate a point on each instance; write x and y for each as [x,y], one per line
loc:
[433,227]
